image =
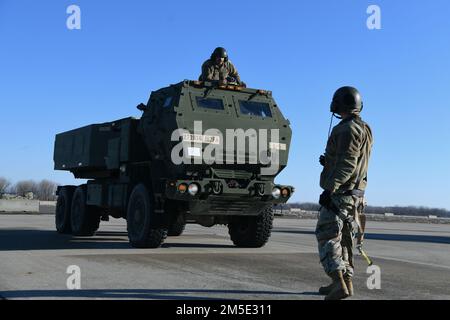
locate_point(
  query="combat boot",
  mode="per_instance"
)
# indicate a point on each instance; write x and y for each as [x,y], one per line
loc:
[339,289]
[326,289]
[349,284]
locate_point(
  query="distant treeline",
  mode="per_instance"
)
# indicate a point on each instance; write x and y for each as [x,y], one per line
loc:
[41,190]
[403,211]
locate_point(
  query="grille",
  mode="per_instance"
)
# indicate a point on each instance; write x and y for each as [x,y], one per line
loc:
[234,207]
[220,206]
[232,174]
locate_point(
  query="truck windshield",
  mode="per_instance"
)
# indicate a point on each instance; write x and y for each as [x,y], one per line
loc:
[251,108]
[209,103]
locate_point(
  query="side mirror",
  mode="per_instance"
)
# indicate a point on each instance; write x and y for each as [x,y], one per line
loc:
[142,107]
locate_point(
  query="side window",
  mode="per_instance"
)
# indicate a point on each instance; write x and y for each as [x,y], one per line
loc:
[259,109]
[210,103]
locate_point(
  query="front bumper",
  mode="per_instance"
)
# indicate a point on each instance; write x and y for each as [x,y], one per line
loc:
[225,200]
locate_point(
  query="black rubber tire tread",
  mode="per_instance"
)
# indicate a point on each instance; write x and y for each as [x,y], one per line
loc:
[177,226]
[253,231]
[88,217]
[152,232]
[63,209]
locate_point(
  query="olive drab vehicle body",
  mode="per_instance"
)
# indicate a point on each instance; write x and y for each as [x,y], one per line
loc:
[190,158]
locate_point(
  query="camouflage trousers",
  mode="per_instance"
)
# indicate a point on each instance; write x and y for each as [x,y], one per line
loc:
[336,233]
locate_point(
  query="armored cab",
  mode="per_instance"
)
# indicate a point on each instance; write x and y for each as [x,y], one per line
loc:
[201,153]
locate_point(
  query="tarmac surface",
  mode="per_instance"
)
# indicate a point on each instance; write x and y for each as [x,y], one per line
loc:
[414,260]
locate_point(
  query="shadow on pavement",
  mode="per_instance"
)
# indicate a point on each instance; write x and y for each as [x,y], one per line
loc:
[383,236]
[112,233]
[22,239]
[196,245]
[408,237]
[165,294]
[12,239]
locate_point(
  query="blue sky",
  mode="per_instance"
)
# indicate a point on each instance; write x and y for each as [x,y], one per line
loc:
[53,79]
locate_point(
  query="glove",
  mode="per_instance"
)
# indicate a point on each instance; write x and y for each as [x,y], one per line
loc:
[322,160]
[231,79]
[325,199]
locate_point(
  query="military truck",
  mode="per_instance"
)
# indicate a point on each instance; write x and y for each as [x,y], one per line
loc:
[155,173]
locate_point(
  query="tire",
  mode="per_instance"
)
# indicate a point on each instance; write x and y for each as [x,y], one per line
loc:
[145,228]
[251,232]
[177,226]
[63,208]
[84,219]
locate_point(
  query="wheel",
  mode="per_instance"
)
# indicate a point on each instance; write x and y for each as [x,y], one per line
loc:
[251,232]
[145,228]
[63,207]
[177,225]
[84,219]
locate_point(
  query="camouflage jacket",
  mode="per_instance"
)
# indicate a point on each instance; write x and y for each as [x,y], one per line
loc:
[212,71]
[347,156]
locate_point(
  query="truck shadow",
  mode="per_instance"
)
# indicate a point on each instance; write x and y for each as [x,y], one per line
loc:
[22,239]
[164,294]
[29,239]
[196,245]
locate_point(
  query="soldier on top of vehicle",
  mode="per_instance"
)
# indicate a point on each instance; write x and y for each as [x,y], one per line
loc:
[219,68]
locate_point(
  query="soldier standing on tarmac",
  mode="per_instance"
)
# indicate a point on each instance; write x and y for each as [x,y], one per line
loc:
[344,179]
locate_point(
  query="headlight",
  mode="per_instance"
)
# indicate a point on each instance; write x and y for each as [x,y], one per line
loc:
[276,193]
[193,189]
[182,188]
[285,192]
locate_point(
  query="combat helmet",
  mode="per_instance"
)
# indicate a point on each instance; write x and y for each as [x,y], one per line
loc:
[346,100]
[219,52]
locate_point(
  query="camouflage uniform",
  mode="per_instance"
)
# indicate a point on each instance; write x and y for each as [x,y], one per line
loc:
[345,169]
[215,72]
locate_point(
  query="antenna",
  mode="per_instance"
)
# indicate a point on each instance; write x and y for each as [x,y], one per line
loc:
[331,123]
